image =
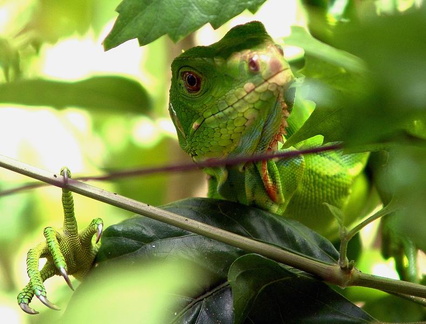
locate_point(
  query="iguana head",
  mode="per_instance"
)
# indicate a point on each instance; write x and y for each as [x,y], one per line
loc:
[229,98]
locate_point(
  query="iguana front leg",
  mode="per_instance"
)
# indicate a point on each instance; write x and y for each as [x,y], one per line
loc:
[67,253]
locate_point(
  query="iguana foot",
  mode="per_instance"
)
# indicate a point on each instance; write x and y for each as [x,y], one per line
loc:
[67,253]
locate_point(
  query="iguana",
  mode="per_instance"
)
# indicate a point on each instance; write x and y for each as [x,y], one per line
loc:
[233,98]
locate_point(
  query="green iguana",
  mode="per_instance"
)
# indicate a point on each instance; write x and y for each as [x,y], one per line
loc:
[233,98]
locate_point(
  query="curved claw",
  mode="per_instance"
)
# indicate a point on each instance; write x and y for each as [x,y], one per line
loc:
[27,309]
[65,275]
[99,232]
[46,302]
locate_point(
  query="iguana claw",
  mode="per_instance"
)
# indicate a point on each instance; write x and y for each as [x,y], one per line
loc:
[68,253]
[46,302]
[27,309]
[99,230]
[65,275]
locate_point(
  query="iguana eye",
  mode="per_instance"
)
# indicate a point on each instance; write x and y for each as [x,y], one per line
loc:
[253,63]
[192,81]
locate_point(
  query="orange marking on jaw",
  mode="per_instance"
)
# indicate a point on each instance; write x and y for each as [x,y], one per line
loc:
[273,146]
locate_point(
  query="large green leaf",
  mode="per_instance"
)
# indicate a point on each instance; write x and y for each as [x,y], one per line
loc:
[139,241]
[266,292]
[132,237]
[331,115]
[53,19]
[301,38]
[394,49]
[103,93]
[360,107]
[331,78]
[147,20]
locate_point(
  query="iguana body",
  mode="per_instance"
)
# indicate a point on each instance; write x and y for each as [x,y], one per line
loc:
[234,98]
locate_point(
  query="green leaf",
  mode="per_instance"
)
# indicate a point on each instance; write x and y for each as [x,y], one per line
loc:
[332,78]
[325,16]
[399,174]
[53,19]
[393,48]
[388,309]
[337,213]
[266,292]
[139,240]
[140,294]
[147,20]
[314,48]
[329,117]
[363,108]
[132,237]
[103,93]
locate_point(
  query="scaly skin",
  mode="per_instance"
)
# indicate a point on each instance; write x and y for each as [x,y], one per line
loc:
[234,98]
[67,253]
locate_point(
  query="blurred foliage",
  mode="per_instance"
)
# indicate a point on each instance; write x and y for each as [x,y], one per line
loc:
[51,56]
[363,66]
[161,281]
[106,93]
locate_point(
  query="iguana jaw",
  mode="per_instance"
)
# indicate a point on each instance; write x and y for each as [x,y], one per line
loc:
[251,117]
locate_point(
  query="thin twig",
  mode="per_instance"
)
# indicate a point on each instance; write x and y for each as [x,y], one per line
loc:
[183,167]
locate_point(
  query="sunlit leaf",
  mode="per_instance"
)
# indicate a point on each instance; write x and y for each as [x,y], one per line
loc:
[103,93]
[323,17]
[147,20]
[53,19]
[314,48]
[139,294]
